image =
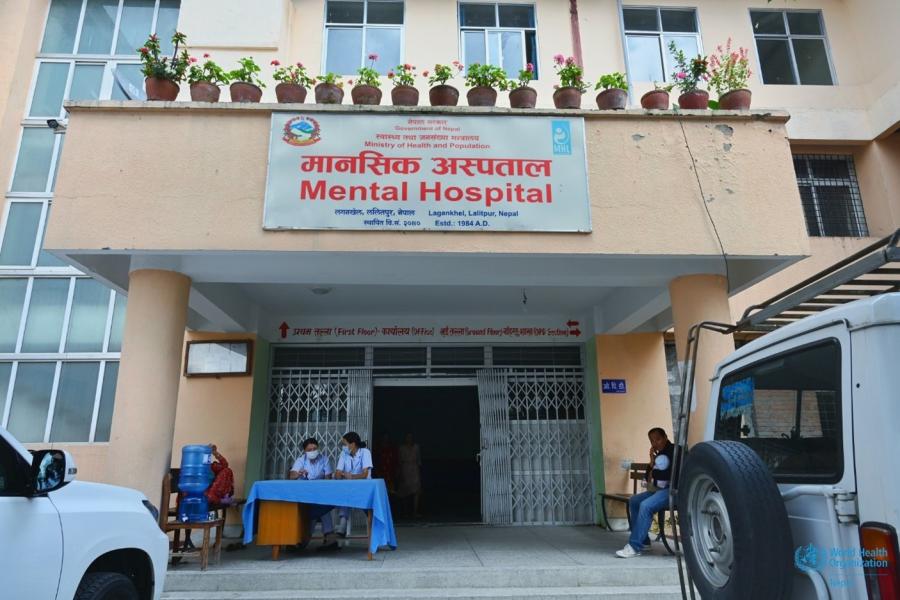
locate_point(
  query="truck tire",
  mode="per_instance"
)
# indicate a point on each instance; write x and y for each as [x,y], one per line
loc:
[736,536]
[105,586]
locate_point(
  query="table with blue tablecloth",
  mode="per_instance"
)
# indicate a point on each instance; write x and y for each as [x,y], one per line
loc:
[365,494]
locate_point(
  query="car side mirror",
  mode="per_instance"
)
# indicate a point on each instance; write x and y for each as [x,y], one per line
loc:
[51,470]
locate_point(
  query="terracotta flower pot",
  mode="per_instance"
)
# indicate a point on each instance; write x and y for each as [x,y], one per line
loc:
[695,100]
[242,91]
[204,91]
[443,95]
[612,99]
[481,95]
[735,100]
[366,94]
[404,95]
[160,89]
[290,93]
[329,93]
[655,100]
[567,97]
[523,97]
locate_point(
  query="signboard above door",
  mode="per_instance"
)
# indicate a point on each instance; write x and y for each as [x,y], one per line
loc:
[426,172]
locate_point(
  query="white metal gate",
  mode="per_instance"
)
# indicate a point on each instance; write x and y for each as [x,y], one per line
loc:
[496,505]
[319,403]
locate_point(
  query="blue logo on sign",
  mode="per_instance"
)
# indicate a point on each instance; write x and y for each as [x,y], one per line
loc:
[807,558]
[562,137]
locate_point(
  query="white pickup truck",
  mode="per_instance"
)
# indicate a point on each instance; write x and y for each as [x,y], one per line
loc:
[69,540]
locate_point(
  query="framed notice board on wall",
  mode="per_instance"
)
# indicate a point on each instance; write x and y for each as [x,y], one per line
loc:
[218,358]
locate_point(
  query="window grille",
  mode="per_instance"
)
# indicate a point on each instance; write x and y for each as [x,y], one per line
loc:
[830,194]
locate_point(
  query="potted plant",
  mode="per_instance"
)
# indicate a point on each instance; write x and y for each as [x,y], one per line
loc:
[293,81]
[367,89]
[687,76]
[729,71]
[205,80]
[404,92]
[483,81]
[521,95]
[246,86]
[657,98]
[571,83]
[161,73]
[615,91]
[440,93]
[330,89]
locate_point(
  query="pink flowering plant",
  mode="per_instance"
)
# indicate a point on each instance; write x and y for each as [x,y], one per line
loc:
[478,75]
[368,75]
[206,72]
[525,77]
[404,74]
[729,69]
[157,66]
[247,72]
[294,74]
[689,73]
[570,73]
[443,73]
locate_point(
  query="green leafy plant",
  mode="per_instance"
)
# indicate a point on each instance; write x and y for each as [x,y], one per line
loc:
[570,73]
[729,69]
[295,74]
[663,87]
[404,74]
[443,73]
[688,72]
[368,75]
[478,75]
[525,77]
[330,79]
[248,72]
[154,64]
[207,72]
[612,81]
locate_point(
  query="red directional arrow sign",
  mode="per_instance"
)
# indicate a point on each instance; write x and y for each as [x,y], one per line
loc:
[284,327]
[572,323]
[576,332]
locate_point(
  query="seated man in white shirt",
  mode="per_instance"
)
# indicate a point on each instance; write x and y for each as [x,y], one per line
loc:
[309,466]
[355,463]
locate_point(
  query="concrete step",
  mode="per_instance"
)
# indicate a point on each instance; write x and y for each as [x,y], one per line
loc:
[662,592]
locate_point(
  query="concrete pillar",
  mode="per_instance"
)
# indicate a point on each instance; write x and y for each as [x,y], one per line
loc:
[697,298]
[143,424]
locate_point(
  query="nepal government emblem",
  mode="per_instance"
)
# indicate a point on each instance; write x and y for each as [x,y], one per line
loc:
[301,131]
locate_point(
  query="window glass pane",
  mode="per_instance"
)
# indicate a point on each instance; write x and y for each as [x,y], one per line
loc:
[45,259]
[800,168]
[5,370]
[809,210]
[493,48]
[49,89]
[530,52]
[513,53]
[134,26]
[775,61]
[12,298]
[804,23]
[97,30]
[33,164]
[59,147]
[74,407]
[86,82]
[640,19]
[685,43]
[830,168]
[166,23]
[477,15]
[62,23]
[385,42]
[128,83]
[45,315]
[812,62]
[516,16]
[344,51]
[107,401]
[679,20]
[30,401]
[118,325]
[344,12]
[644,58]
[385,13]
[473,47]
[836,209]
[20,233]
[87,322]
[766,21]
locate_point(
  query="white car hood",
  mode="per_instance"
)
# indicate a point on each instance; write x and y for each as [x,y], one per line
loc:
[99,496]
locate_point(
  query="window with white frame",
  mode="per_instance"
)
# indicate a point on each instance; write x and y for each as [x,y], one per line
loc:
[648,33]
[830,194]
[355,29]
[792,47]
[503,35]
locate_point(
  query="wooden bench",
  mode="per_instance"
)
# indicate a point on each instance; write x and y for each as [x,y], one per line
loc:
[637,473]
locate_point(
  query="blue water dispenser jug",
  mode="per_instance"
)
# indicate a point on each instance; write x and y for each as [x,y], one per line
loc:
[196,475]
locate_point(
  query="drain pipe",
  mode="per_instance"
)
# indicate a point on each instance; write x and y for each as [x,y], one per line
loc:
[576,32]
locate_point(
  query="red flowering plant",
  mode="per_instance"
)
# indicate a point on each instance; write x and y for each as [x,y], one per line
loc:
[404,74]
[368,75]
[525,77]
[207,71]
[157,66]
[570,73]
[729,69]
[688,72]
[443,73]
[295,74]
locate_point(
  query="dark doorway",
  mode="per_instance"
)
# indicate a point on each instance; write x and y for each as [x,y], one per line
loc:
[444,423]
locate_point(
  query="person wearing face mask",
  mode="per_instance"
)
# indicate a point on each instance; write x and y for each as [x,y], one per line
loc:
[355,463]
[309,466]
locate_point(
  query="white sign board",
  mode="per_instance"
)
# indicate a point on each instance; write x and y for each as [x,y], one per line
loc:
[426,172]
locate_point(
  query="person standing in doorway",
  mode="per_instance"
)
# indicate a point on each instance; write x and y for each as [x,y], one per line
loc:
[355,463]
[385,458]
[410,480]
